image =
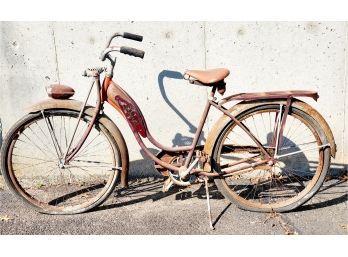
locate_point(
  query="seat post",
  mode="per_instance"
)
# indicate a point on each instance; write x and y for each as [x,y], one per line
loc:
[200,127]
[212,92]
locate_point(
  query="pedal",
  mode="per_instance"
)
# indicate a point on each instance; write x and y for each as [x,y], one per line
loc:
[167,185]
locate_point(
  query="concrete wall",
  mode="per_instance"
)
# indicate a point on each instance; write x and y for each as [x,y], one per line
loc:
[262,56]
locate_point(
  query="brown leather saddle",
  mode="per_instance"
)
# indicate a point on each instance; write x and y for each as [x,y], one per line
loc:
[211,77]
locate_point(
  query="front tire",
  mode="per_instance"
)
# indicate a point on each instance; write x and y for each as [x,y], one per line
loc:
[32,163]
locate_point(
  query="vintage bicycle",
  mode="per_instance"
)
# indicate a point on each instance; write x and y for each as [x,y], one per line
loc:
[269,152]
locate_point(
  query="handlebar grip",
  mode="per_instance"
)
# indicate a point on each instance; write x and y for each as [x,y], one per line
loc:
[133,36]
[132,51]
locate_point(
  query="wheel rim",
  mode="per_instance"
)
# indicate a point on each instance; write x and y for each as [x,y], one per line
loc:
[35,166]
[285,183]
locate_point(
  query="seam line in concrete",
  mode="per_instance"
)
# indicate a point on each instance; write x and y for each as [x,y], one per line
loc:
[344,151]
[205,67]
[0,136]
[55,52]
[205,45]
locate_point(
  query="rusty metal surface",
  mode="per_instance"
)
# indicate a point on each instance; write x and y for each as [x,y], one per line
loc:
[199,130]
[246,130]
[120,100]
[89,110]
[154,157]
[176,158]
[270,95]
[135,121]
[255,180]
[166,148]
[323,123]
[283,120]
[243,106]
[82,140]
[168,157]
[56,104]
[123,103]
[128,108]
[212,135]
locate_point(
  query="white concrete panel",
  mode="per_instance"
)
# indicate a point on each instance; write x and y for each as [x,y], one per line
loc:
[168,46]
[266,56]
[262,56]
[345,130]
[27,66]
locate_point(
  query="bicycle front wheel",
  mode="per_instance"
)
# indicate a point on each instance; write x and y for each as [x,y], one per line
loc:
[295,177]
[33,156]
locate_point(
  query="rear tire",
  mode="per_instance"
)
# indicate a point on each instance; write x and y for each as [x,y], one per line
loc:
[284,187]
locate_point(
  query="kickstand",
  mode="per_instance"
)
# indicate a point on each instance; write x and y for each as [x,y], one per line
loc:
[208,202]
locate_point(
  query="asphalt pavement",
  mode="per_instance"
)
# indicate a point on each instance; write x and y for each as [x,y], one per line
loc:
[145,209]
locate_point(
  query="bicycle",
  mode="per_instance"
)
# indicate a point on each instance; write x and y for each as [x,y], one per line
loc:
[269,152]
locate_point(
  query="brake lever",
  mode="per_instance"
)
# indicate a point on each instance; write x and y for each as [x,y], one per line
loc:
[93,72]
[107,51]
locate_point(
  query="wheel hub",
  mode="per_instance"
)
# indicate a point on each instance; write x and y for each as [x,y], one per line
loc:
[61,164]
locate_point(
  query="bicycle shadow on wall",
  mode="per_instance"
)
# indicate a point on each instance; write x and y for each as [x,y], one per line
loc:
[179,139]
[154,184]
[145,166]
[301,165]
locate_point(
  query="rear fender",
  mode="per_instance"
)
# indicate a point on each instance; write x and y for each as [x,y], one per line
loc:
[245,105]
[104,119]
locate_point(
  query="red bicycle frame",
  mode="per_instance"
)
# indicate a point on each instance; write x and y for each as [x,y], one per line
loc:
[123,103]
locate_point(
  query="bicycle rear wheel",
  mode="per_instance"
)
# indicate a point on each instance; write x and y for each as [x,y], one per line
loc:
[287,184]
[32,162]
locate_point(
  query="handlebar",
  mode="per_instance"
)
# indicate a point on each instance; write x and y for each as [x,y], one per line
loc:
[132,36]
[126,35]
[95,72]
[123,49]
[132,51]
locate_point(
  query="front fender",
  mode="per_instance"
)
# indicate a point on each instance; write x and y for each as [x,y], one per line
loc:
[245,105]
[104,119]
[58,104]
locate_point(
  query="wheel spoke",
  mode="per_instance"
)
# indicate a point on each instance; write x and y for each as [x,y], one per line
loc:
[280,183]
[43,180]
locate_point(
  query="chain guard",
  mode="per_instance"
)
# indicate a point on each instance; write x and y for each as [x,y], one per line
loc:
[173,158]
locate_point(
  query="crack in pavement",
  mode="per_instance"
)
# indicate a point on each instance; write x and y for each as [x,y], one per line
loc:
[283,221]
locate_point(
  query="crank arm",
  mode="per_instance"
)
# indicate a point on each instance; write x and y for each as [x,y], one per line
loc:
[179,182]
